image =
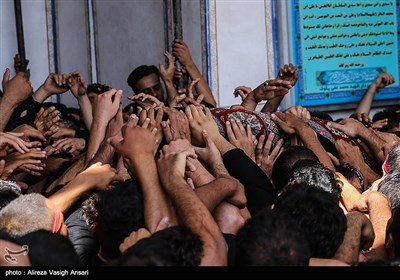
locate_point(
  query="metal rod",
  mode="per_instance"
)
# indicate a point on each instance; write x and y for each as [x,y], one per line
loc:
[177,14]
[20,34]
[178,33]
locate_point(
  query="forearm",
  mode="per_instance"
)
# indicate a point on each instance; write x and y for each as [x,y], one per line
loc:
[369,175]
[104,154]
[201,86]
[222,144]
[349,193]
[195,216]
[379,214]
[272,105]
[155,201]
[86,110]
[65,197]
[171,90]
[71,172]
[98,131]
[249,103]
[41,95]
[374,142]
[6,111]
[215,192]
[200,176]
[349,250]
[310,140]
[364,106]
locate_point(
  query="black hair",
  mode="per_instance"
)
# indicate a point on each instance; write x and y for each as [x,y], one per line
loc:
[321,115]
[393,116]
[319,215]
[140,72]
[282,170]
[176,246]
[97,88]
[267,239]
[315,173]
[119,212]
[49,249]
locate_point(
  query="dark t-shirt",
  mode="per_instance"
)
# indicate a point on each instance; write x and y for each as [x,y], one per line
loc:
[81,237]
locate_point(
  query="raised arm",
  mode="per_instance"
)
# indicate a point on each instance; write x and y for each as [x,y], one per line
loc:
[95,176]
[191,211]
[15,91]
[266,91]
[54,84]
[286,73]
[383,80]
[294,125]
[137,147]
[106,107]
[181,51]
[78,87]
[167,74]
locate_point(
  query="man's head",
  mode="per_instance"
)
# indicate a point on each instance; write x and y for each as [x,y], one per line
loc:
[146,79]
[319,215]
[173,246]
[94,90]
[267,239]
[114,214]
[29,213]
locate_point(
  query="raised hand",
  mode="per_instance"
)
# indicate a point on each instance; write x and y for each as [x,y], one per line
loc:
[135,141]
[181,51]
[54,84]
[167,74]
[210,153]
[13,140]
[47,120]
[77,84]
[287,122]
[99,175]
[383,80]
[70,145]
[32,158]
[146,101]
[265,155]
[299,112]
[178,125]
[240,137]
[242,91]
[201,119]
[15,90]
[350,126]
[30,133]
[362,117]
[107,105]
[288,73]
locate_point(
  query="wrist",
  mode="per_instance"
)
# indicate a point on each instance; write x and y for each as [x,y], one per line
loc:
[41,94]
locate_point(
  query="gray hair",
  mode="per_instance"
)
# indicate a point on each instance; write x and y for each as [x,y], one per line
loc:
[26,214]
[390,186]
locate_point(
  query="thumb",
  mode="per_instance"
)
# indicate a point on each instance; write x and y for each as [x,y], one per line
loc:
[6,76]
[163,224]
[115,141]
[334,159]
[335,125]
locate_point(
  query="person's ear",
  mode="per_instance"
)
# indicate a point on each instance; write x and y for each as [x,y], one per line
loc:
[93,229]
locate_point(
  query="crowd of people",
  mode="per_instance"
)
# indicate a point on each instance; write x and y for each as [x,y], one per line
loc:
[173,180]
